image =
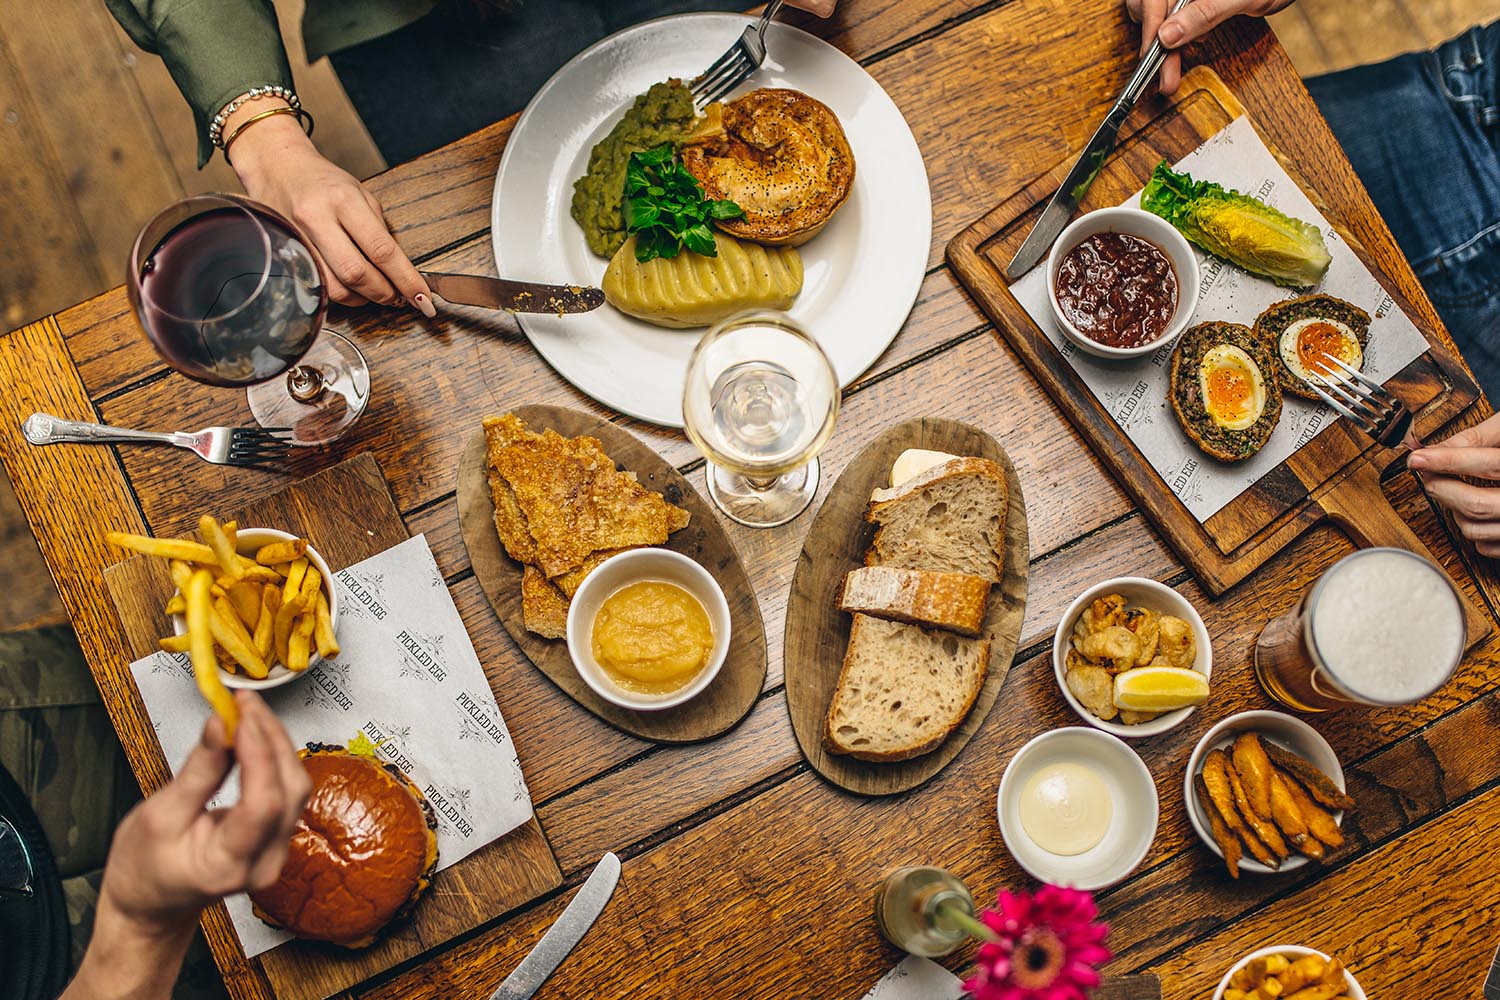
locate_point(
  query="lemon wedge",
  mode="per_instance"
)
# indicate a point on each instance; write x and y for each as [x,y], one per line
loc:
[1159,689]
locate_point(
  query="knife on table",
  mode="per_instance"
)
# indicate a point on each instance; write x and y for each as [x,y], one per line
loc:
[547,954]
[514,296]
[1065,201]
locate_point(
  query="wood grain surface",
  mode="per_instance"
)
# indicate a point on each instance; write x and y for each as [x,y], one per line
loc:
[817,632]
[1313,482]
[729,698]
[745,873]
[347,514]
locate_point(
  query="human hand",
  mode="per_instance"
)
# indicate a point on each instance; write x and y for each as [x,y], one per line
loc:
[1191,23]
[1474,452]
[361,261]
[822,8]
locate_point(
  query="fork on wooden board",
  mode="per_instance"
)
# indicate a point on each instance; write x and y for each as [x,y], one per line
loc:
[1372,407]
[737,63]
[219,445]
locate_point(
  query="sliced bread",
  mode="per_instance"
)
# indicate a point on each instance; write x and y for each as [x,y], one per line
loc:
[954,601]
[902,690]
[950,518]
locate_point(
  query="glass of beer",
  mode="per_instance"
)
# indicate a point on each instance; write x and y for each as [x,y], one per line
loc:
[1380,627]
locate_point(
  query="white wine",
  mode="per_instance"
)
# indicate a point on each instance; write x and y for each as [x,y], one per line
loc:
[759,401]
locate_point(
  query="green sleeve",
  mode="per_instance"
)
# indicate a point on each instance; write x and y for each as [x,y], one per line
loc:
[215,49]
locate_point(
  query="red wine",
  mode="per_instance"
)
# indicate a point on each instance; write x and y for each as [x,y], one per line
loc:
[231,296]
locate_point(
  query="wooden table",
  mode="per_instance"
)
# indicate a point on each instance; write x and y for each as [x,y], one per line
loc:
[745,874]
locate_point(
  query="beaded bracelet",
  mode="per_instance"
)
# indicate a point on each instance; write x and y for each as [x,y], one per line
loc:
[303,118]
[216,125]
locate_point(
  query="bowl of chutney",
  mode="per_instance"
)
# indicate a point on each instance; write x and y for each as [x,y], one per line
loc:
[1122,283]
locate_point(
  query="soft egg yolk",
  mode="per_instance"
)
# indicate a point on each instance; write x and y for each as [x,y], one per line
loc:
[1228,392]
[1317,339]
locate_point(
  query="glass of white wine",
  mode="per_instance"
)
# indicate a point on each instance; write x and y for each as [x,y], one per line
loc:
[759,402]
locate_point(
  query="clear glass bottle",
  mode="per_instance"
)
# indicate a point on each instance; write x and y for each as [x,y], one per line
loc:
[916,907]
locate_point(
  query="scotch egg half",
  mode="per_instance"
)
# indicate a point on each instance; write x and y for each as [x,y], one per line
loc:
[1233,387]
[1304,343]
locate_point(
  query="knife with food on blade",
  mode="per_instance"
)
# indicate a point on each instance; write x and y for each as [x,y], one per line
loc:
[547,954]
[1060,209]
[514,296]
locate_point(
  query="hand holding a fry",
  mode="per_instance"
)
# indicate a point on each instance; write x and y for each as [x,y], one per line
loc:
[172,855]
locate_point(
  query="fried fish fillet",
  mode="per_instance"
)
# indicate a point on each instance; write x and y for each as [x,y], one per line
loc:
[1318,784]
[1263,826]
[1228,843]
[1289,819]
[1320,822]
[1254,769]
[573,500]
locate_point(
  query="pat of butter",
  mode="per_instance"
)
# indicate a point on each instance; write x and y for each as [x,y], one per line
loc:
[914,461]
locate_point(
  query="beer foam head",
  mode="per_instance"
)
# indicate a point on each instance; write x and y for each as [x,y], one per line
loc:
[1386,625]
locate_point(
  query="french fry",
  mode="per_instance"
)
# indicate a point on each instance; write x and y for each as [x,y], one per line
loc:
[285,614]
[223,548]
[328,644]
[245,596]
[293,585]
[270,603]
[201,649]
[174,643]
[312,582]
[281,552]
[166,548]
[232,531]
[181,573]
[229,632]
[261,574]
[299,643]
[176,606]
[217,591]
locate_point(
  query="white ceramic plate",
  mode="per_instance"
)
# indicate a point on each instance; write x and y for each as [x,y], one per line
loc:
[861,273]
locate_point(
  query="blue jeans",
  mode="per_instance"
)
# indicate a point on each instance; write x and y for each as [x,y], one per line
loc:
[1423,133]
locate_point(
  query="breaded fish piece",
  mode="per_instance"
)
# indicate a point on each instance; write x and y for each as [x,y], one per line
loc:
[1290,819]
[573,500]
[1217,780]
[1318,784]
[1320,822]
[1254,769]
[1263,827]
[1223,836]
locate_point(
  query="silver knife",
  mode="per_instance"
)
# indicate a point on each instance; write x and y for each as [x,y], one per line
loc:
[514,296]
[547,954]
[1060,209]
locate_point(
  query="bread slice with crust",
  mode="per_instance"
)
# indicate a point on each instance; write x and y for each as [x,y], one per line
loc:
[950,518]
[953,601]
[903,689]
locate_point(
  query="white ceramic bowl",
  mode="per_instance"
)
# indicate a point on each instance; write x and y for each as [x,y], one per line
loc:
[1292,951]
[1133,816]
[637,566]
[247,541]
[1139,592]
[1153,229]
[1284,730]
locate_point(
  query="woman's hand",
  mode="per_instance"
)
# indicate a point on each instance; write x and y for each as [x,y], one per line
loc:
[1475,453]
[172,856]
[361,260]
[1188,25]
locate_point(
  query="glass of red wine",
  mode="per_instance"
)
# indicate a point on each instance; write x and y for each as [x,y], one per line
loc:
[230,294]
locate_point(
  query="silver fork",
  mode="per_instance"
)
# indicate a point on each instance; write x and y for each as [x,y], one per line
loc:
[737,63]
[1372,407]
[219,445]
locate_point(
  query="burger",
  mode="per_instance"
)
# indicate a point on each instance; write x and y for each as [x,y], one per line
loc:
[361,855]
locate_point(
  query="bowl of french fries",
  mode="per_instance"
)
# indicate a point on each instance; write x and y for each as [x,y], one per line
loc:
[272,608]
[1266,793]
[1288,972]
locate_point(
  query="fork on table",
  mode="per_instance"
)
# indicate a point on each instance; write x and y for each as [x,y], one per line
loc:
[737,63]
[1372,407]
[219,445]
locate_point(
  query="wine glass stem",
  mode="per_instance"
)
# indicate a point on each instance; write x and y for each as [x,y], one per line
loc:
[305,383]
[762,485]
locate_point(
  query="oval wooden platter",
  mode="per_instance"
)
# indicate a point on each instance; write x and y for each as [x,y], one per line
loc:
[817,632]
[732,694]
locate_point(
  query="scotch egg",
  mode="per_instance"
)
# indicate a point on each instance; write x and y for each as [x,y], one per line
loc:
[1303,329]
[1224,391]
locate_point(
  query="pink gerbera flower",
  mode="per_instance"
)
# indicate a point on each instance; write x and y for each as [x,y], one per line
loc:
[1040,947]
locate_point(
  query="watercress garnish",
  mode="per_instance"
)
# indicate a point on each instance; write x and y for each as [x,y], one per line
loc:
[666,208]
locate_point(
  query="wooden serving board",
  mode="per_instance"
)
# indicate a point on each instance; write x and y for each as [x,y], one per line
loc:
[1335,475]
[348,514]
[817,632]
[733,693]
